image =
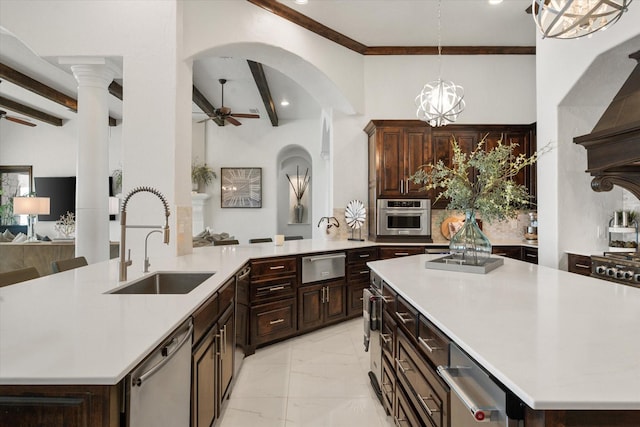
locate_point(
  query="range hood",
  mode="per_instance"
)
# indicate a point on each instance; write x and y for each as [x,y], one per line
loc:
[613,147]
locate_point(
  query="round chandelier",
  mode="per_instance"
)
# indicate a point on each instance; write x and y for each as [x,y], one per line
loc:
[440,102]
[570,19]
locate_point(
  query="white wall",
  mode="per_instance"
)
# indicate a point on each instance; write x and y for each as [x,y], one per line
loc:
[563,195]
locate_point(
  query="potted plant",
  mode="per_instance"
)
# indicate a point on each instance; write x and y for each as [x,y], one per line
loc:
[490,191]
[201,176]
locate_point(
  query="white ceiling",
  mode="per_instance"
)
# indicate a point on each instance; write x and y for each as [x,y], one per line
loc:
[370,22]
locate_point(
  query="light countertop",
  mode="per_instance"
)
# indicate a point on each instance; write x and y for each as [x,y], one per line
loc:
[558,340]
[64,329]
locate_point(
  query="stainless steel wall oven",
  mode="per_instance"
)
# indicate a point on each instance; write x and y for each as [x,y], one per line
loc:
[404,217]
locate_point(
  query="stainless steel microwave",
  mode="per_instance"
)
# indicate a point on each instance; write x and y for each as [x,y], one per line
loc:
[404,217]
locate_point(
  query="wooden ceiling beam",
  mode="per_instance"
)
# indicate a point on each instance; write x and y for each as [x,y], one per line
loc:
[263,87]
[28,111]
[203,103]
[115,89]
[47,92]
[304,21]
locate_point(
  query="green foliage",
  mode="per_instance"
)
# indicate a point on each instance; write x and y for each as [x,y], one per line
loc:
[202,174]
[481,180]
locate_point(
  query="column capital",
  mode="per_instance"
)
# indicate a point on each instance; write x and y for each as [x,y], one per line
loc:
[96,75]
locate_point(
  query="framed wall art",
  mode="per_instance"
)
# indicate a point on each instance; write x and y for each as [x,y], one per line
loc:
[241,187]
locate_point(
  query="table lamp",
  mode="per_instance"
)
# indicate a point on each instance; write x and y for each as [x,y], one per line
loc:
[31,206]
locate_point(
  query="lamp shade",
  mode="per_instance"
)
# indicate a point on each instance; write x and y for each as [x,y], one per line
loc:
[31,205]
[114,205]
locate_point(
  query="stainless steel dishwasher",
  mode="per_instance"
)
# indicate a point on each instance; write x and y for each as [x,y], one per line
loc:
[158,390]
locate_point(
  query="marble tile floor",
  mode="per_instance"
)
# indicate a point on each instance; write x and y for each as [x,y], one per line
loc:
[315,380]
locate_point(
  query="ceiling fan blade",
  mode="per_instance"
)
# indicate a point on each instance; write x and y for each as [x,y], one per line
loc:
[233,121]
[22,122]
[246,115]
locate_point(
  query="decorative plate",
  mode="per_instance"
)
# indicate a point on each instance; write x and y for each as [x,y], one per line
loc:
[355,214]
[445,227]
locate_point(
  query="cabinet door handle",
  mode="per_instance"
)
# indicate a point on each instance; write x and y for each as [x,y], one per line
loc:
[402,319]
[322,297]
[407,186]
[327,288]
[427,346]
[423,402]
[218,344]
[402,368]
[402,186]
[276,267]
[275,322]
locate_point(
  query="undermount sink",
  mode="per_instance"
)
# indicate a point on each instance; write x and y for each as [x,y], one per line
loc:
[162,283]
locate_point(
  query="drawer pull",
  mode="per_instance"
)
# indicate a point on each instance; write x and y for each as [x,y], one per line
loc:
[427,346]
[399,421]
[387,387]
[386,339]
[364,272]
[583,266]
[532,255]
[275,322]
[401,253]
[276,288]
[276,267]
[423,402]
[387,300]
[365,256]
[402,319]
[402,368]
[361,299]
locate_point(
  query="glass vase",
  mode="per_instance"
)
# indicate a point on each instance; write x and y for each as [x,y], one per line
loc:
[470,245]
[298,212]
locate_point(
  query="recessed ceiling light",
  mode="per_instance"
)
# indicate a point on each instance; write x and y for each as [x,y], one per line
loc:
[495,1]
[284,102]
[301,1]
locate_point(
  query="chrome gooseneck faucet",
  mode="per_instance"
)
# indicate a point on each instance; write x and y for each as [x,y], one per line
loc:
[124,263]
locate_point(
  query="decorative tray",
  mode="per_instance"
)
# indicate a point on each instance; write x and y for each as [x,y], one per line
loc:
[450,264]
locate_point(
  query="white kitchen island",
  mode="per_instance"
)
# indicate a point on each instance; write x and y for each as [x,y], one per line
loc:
[559,341]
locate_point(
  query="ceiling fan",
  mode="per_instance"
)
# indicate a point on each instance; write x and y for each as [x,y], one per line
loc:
[3,115]
[223,113]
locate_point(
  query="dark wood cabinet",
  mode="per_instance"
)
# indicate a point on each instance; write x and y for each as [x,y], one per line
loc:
[397,149]
[60,405]
[212,355]
[358,277]
[387,252]
[272,300]
[580,264]
[321,304]
[514,252]
[530,254]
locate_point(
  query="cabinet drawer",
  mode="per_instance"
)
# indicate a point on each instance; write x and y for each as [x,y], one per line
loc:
[404,414]
[226,294]
[204,317]
[514,252]
[433,343]
[388,386]
[406,316]
[400,251]
[387,337]
[273,266]
[362,255]
[273,321]
[265,290]
[530,255]
[358,273]
[422,385]
[580,264]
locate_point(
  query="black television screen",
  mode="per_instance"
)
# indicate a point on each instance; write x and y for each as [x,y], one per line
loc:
[61,191]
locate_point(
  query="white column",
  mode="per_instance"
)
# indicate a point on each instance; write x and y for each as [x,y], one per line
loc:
[92,165]
[198,201]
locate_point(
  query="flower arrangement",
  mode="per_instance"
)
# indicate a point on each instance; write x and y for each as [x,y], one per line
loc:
[301,184]
[201,174]
[66,225]
[481,180]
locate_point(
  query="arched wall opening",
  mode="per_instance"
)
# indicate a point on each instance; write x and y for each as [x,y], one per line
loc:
[294,168]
